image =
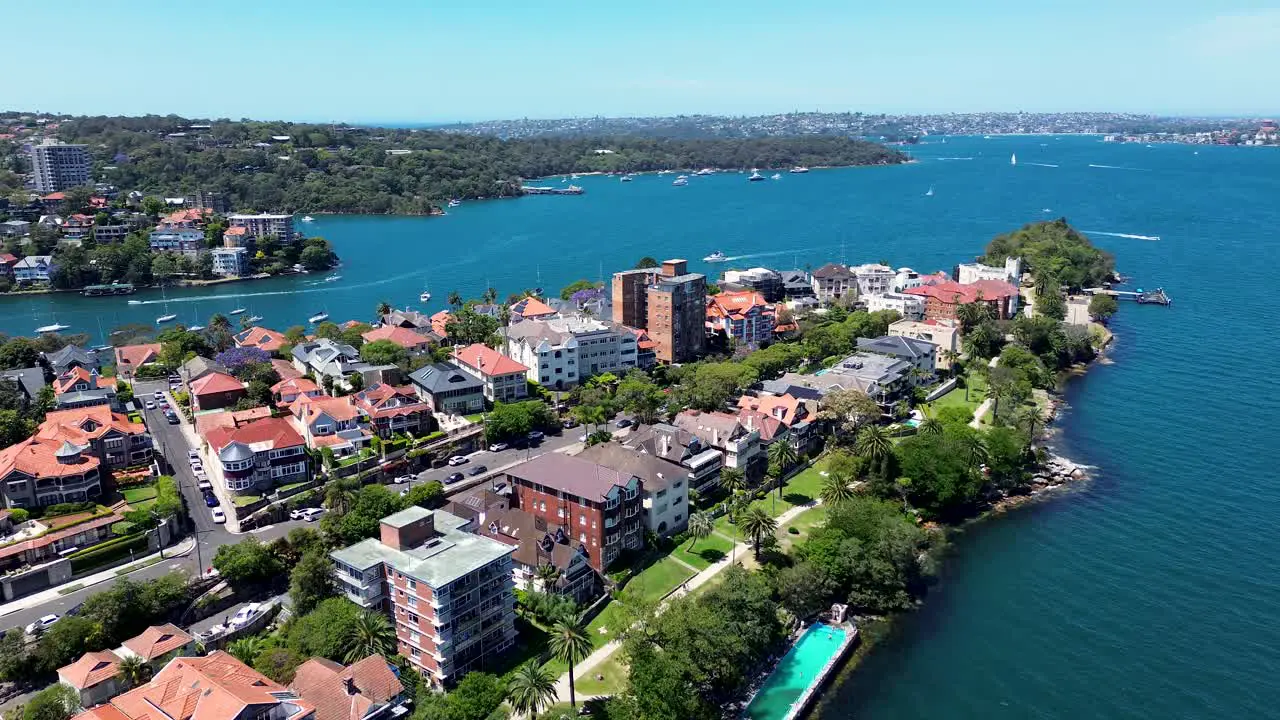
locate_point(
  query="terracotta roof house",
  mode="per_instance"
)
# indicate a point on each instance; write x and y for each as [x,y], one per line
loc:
[367,690]
[159,644]
[438,322]
[943,299]
[408,339]
[214,687]
[781,416]
[743,316]
[392,409]
[228,419]
[261,338]
[332,422]
[78,387]
[66,457]
[95,676]
[259,454]
[285,369]
[287,391]
[234,237]
[504,379]
[531,308]
[131,357]
[216,390]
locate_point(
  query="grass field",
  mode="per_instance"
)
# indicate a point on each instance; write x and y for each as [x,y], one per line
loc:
[135,495]
[977,387]
[705,552]
[614,674]
[657,580]
[804,522]
[799,490]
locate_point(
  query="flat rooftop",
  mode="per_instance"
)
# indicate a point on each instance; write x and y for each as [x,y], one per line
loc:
[450,554]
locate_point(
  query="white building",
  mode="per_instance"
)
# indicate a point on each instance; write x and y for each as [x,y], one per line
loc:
[33,268]
[872,279]
[281,226]
[973,272]
[906,278]
[56,166]
[562,351]
[230,262]
[910,307]
[944,334]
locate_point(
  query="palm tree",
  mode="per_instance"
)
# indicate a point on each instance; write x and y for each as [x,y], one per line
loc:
[570,644]
[490,296]
[993,394]
[952,359]
[782,455]
[970,314]
[455,299]
[135,671]
[930,425]
[246,649]
[836,489]
[384,308]
[975,450]
[874,443]
[546,574]
[531,689]
[370,634]
[732,479]
[1026,419]
[338,497]
[700,527]
[757,525]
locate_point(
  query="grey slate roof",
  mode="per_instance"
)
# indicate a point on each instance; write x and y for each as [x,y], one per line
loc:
[898,346]
[71,355]
[29,380]
[197,367]
[656,473]
[442,376]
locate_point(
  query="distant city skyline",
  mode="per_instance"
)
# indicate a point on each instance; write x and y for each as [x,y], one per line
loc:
[395,61]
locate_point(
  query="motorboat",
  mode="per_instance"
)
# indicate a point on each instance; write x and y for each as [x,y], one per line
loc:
[308,218]
[705,171]
[682,180]
[318,317]
[715,257]
[755,176]
[237,311]
[56,327]
[625,178]
[455,202]
[135,302]
[799,170]
[333,278]
[776,176]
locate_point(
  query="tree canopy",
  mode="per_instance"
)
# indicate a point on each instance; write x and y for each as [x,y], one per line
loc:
[1054,248]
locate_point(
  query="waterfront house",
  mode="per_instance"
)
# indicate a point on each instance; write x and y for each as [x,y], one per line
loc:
[832,282]
[33,269]
[782,418]
[264,339]
[504,379]
[391,409]
[236,237]
[872,279]
[922,355]
[968,273]
[447,389]
[440,321]
[560,352]
[448,591]
[760,280]
[943,299]
[739,444]
[882,378]
[663,483]
[230,261]
[95,677]
[259,455]
[531,308]
[945,334]
[601,506]
[131,357]
[910,307]
[326,358]
[188,242]
[415,343]
[71,356]
[797,284]
[215,390]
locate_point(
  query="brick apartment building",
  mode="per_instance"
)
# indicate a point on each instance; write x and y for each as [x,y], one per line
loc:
[669,303]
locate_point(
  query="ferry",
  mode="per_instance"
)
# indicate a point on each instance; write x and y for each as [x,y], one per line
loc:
[56,327]
[455,202]
[308,218]
[318,317]
[799,170]
[680,181]
[112,289]
[755,176]
[715,257]
[237,311]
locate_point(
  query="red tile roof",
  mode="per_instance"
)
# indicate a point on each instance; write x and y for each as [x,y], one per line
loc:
[380,400]
[8,259]
[285,369]
[238,230]
[228,418]
[404,337]
[55,196]
[323,683]
[439,321]
[157,640]
[262,338]
[215,382]
[132,356]
[487,361]
[307,409]
[67,380]
[298,385]
[532,307]
[50,538]
[736,305]
[783,407]
[952,292]
[91,669]
[272,432]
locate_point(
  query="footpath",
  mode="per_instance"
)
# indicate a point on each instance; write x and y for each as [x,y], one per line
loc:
[692,584]
[182,549]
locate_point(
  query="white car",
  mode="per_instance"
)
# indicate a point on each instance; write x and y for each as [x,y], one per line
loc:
[157,395]
[219,516]
[296,514]
[193,455]
[151,405]
[205,485]
[244,615]
[458,460]
[42,624]
[312,514]
[498,447]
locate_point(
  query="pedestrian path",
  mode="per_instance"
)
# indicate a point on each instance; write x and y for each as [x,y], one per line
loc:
[182,549]
[691,585]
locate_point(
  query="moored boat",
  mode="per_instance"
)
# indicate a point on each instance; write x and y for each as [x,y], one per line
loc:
[715,257]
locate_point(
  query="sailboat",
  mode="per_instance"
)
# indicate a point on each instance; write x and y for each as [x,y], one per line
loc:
[237,311]
[426,293]
[318,317]
[195,315]
[1013,159]
[167,316]
[53,328]
[930,193]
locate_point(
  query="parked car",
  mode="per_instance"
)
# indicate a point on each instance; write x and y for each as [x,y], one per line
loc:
[498,447]
[623,423]
[42,624]
[151,405]
[157,394]
[296,513]
[568,423]
[204,485]
[312,514]
[193,454]
[456,477]
[210,500]
[458,460]
[404,479]
[536,436]
[245,614]
[218,516]
[172,418]
[477,470]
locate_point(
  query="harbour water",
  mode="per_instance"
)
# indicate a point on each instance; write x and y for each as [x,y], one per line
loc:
[1150,591]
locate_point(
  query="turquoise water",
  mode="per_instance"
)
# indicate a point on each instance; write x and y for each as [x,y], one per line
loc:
[1150,591]
[795,672]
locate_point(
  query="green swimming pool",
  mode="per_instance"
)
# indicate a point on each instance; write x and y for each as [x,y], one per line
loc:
[798,670]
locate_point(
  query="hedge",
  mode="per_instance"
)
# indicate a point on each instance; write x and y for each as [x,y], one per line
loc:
[107,552]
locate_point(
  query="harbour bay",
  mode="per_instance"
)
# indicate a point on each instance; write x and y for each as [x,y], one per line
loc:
[1098,602]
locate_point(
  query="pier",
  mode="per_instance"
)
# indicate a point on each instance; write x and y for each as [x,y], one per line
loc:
[548,190]
[1145,297]
[112,289]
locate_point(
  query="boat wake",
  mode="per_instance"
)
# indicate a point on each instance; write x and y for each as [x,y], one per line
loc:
[1038,164]
[772,253]
[1131,236]
[953,158]
[1112,167]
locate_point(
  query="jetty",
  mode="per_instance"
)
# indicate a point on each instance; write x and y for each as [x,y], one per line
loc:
[1145,297]
[548,190]
[112,289]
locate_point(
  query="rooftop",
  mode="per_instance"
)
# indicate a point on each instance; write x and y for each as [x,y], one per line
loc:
[487,361]
[898,346]
[568,474]
[443,558]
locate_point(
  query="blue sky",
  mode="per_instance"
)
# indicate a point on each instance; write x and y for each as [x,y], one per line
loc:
[442,60]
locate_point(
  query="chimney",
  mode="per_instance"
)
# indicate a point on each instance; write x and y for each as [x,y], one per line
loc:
[715,437]
[665,444]
[351,687]
[751,422]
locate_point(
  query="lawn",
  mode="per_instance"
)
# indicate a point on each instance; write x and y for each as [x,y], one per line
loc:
[657,580]
[475,417]
[614,677]
[799,490]
[705,552]
[804,522]
[601,630]
[139,493]
[242,500]
[977,387]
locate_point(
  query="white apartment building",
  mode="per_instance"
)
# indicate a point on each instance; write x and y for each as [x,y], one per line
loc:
[910,307]
[230,262]
[562,351]
[872,279]
[56,166]
[906,278]
[263,225]
[973,272]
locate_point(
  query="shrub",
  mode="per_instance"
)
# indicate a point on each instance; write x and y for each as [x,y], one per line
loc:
[792,530]
[69,508]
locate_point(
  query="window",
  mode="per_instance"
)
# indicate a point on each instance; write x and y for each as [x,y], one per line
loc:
[413,618]
[415,651]
[582,520]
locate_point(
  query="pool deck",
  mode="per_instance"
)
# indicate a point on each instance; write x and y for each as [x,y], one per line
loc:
[801,705]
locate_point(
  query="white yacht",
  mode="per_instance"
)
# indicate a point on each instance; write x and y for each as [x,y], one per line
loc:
[705,171]
[776,176]
[455,202]
[799,169]
[318,317]
[237,311]
[755,176]
[715,257]
[625,178]
[680,181]
[253,319]
[425,296]
[167,317]
[308,218]
[56,327]
[1013,159]
[333,278]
